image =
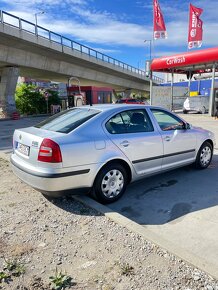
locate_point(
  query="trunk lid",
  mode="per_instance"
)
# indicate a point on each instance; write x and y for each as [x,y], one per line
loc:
[26,145]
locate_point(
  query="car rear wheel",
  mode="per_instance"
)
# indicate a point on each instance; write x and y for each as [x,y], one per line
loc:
[204,156]
[110,183]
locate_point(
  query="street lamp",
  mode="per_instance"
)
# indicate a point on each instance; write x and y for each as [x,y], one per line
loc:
[36,20]
[149,40]
[38,13]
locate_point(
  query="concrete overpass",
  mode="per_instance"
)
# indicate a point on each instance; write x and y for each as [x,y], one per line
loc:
[33,51]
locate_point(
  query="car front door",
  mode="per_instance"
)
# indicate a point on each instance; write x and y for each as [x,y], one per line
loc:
[133,133]
[179,143]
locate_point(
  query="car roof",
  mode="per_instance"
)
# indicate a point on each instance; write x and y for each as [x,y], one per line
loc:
[111,107]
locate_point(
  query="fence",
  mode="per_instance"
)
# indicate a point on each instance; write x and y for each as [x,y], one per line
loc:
[21,24]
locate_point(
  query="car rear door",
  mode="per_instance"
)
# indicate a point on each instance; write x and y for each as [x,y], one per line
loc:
[141,143]
[179,144]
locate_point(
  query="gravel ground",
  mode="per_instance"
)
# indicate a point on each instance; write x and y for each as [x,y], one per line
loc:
[40,238]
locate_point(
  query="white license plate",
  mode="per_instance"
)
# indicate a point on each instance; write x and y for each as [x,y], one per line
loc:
[25,150]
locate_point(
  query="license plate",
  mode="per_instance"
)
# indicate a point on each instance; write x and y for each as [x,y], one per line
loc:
[25,150]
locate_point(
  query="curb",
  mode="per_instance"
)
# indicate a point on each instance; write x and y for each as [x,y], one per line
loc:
[24,117]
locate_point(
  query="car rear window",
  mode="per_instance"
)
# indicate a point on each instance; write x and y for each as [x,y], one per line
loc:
[68,120]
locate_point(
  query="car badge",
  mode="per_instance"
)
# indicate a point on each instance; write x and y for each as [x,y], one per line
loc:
[20,137]
[35,144]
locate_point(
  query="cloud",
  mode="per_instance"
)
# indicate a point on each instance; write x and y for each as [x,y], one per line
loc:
[86,24]
[111,34]
[105,50]
[98,28]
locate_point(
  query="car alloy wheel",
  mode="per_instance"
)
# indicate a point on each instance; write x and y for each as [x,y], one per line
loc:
[110,183]
[204,156]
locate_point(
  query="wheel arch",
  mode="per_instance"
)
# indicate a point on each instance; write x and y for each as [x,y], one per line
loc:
[120,161]
[198,162]
[204,141]
[209,141]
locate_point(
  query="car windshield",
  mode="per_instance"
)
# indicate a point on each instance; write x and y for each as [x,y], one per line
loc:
[68,120]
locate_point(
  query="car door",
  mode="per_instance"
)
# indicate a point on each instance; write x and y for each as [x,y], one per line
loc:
[179,143]
[133,133]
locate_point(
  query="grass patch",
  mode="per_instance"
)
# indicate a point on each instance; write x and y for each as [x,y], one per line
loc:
[60,281]
[126,269]
[14,267]
[4,277]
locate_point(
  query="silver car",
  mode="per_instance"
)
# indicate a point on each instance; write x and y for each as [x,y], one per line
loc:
[100,149]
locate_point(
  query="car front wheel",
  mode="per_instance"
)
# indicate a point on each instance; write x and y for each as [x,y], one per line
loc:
[204,156]
[110,183]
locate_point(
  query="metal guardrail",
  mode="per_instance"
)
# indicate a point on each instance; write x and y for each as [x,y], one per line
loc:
[39,31]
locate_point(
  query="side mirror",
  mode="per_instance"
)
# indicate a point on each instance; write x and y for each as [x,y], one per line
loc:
[187,126]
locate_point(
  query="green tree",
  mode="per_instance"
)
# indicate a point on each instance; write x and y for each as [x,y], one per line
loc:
[31,100]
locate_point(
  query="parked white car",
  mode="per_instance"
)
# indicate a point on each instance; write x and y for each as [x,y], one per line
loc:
[199,104]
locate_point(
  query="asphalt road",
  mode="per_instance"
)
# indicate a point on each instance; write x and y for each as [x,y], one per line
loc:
[7,128]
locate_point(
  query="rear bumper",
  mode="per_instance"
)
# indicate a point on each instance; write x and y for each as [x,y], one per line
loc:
[53,182]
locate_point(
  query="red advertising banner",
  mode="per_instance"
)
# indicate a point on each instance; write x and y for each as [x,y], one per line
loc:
[159,25]
[195,31]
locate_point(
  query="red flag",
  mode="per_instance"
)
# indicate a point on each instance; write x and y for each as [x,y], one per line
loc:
[159,25]
[195,27]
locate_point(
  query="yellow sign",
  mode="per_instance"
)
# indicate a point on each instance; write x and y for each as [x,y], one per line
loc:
[192,94]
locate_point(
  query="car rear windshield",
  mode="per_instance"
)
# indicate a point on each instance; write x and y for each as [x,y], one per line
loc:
[68,120]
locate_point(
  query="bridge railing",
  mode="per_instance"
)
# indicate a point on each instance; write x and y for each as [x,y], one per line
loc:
[39,31]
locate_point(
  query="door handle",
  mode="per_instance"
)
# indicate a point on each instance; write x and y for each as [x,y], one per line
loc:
[125,143]
[167,138]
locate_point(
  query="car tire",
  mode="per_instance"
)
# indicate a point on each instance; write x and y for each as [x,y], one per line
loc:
[110,183]
[203,111]
[204,156]
[185,111]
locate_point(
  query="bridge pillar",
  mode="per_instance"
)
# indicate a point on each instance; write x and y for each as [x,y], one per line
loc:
[8,84]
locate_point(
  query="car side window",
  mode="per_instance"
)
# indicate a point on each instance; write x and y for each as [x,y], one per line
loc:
[116,125]
[167,121]
[131,121]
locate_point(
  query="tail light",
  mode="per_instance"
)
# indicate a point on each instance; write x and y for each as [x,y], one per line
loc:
[49,151]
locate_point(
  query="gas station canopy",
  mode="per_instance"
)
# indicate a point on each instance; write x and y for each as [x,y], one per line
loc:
[190,63]
[200,61]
